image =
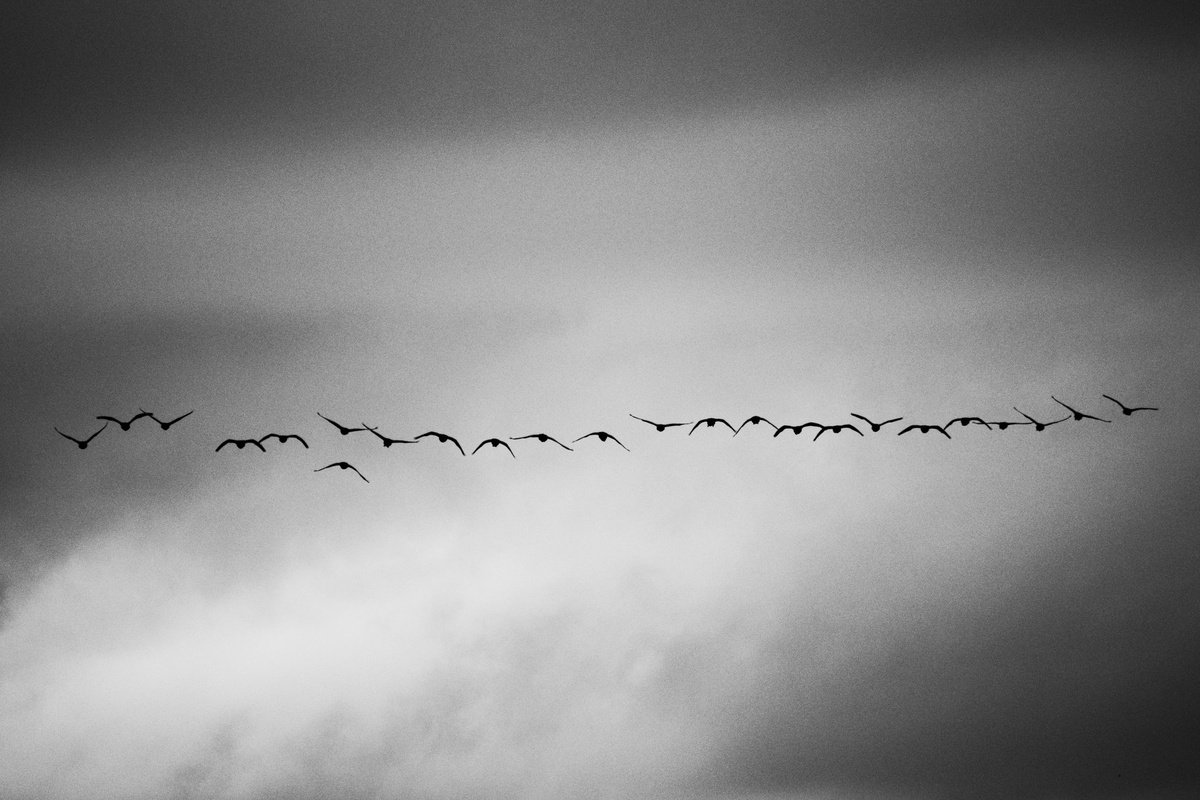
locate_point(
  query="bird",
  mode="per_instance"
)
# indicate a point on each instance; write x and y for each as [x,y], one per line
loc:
[1005,423]
[342,429]
[603,436]
[925,429]
[167,424]
[387,440]
[125,425]
[710,422]
[836,429]
[83,443]
[1037,426]
[543,437]
[965,421]
[1127,410]
[754,421]
[795,429]
[240,443]
[343,465]
[442,437]
[283,437]
[494,443]
[875,426]
[660,426]
[1077,414]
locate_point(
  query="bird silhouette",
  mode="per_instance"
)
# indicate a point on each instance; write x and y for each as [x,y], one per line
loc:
[1038,426]
[875,426]
[1005,423]
[283,437]
[125,425]
[603,436]
[660,426]
[754,421]
[836,429]
[387,440]
[342,429]
[442,437]
[795,429]
[494,443]
[543,437]
[1078,415]
[167,424]
[965,421]
[240,443]
[1127,410]
[83,443]
[925,429]
[343,465]
[710,422]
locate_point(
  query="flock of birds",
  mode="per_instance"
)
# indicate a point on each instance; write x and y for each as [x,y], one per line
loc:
[604,436]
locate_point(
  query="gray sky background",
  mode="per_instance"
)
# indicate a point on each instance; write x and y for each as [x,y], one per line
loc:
[502,219]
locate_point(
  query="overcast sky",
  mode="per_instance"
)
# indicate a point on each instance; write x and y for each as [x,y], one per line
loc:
[503,219]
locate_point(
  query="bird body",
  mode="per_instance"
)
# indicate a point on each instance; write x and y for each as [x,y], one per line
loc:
[603,436]
[240,443]
[710,422]
[387,440]
[542,437]
[283,437]
[754,421]
[660,426]
[83,443]
[125,425]
[494,443]
[875,426]
[836,429]
[925,429]
[1078,415]
[165,424]
[1128,410]
[1038,426]
[443,437]
[342,429]
[343,465]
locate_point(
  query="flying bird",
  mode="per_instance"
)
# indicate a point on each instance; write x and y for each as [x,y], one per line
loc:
[1038,426]
[965,421]
[875,426]
[387,440]
[660,426]
[494,443]
[543,437]
[603,436]
[795,429]
[283,437]
[83,443]
[1127,410]
[443,437]
[125,425]
[710,422]
[1077,414]
[836,429]
[167,424]
[342,429]
[925,429]
[240,443]
[1005,423]
[754,421]
[343,465]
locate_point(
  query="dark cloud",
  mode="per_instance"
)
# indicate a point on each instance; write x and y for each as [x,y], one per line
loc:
[1076,678]
[84,72]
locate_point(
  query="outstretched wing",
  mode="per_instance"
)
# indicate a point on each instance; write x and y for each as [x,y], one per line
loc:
[852,428]
[222,444]
[906,430]
[356,472]
[72,438]
[940,430]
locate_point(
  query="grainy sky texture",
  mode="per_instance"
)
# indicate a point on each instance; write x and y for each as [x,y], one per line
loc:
[501,219]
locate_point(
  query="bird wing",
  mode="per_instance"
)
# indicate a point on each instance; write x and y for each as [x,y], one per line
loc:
[726,424]
[222,444]
[337,425]
[560,444]
[257,444]
[618,441]
[1115,400]
[860,416]
[351,466]
[506,447]
[1064,405]
[172,422]
[1026,416]
[481,444]
[72,438]
[851,427]
[697,425]
[640,419]
[940,430]
[327,466]
[906,430]
[110,419]
[895,419]
[818,436]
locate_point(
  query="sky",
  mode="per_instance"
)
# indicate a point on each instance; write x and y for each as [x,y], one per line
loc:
[503,219]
